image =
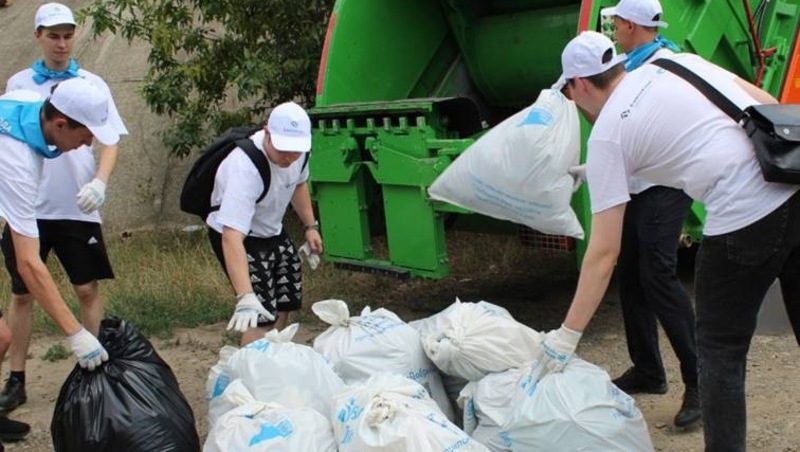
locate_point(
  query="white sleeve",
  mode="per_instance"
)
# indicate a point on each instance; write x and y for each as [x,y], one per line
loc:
[19,187]
[606,175]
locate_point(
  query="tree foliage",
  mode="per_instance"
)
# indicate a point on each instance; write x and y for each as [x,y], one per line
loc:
[218,63]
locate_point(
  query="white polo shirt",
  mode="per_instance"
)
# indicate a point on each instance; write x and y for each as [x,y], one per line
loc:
[659,129]
[62,178]
[238,185]
[20,171]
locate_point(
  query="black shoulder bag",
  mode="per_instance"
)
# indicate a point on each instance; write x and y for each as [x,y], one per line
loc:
[773,129]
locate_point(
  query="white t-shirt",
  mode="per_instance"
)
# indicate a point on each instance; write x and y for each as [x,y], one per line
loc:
[20,171]
[238,185]
[63,177]
[660,129]
[636,186]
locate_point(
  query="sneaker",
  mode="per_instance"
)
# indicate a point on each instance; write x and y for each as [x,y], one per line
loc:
[12,396]
[690,413]
[632,382]
[11,430]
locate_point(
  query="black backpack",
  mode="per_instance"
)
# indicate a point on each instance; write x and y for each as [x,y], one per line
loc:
[196,192]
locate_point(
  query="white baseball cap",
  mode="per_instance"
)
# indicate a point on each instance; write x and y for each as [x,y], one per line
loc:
[51,14]
[589,53]
[82,102]
[289,128]
[647,13]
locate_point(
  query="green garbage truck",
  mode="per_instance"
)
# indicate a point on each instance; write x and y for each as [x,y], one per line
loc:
[405,86]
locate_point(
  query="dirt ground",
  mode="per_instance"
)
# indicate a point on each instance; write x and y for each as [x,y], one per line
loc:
[772,390]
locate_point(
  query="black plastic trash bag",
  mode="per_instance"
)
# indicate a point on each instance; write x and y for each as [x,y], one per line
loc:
[131,403]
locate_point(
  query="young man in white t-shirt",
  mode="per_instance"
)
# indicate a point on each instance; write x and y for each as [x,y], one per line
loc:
[71,192]
[247,235]
[649,289]
[653,126]
[32,130]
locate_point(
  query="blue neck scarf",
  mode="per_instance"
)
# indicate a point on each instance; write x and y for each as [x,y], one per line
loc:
[639,55]
[43,74]
[21,121]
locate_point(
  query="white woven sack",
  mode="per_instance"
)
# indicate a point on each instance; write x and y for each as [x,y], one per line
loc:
[376,342]
[576,409]
[267,427]
[487,406]
[471,340]
[518,170]
[391,413]
[274,369]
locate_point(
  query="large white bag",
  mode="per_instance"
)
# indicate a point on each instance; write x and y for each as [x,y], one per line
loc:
[253,425]
[219,377]
[518,170]
[576,409]
[470,340]
[376,342]
[391,413]
[274,369]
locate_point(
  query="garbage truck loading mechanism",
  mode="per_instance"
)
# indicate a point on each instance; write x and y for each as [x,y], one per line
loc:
[405,87]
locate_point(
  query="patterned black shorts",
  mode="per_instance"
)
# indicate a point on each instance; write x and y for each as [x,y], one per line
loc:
[275,270]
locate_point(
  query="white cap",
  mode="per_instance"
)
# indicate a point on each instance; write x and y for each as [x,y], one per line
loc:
[51,14]
[583,57]
[289,128]
[647,13]
[82,102]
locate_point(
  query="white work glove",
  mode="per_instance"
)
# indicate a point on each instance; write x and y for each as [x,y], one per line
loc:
[557,349]
[88,349]
[92,196]
[578,174]
[308,255]
[246,314]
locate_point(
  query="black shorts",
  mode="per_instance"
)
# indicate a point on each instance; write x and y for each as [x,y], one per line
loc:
[275,270]
[79,246]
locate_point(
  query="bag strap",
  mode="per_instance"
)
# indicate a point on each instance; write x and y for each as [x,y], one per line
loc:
[260,161]
[713,94]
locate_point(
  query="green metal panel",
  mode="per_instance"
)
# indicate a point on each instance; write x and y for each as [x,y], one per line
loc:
[382,133]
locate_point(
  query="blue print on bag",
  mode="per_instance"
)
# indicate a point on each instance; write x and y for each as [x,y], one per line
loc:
[528,385]
[269,431]
[538,117]
[376,325]
[219,386]
[505,438]
[347,435]
[260,345]
[460,444]
[350,411]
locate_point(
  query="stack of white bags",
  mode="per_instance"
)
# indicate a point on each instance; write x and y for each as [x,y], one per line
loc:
[375,383]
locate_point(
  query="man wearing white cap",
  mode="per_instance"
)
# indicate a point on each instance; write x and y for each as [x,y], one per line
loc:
[653,126]
[71,191]
[32,130]
[247,234]
[649,289]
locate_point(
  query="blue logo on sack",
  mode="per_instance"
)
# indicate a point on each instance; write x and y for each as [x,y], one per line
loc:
[537,117]
[269,431]
[350,411]
[219,386]
[260,345]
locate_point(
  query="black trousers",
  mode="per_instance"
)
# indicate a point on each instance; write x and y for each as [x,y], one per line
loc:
[649,287]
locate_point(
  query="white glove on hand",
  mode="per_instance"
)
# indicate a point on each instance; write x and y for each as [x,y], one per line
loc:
[307,254]
[578,173]
[557,349]
[92,196]
[246,314]
[88,349]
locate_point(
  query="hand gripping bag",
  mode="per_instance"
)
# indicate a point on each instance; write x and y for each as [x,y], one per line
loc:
[274,369]
[391,413]
[131,403]
[254,426]
[518,170]
[376,342]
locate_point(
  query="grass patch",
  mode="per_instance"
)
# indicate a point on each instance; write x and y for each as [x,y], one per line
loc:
[170,279]
[56,352]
